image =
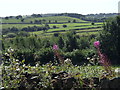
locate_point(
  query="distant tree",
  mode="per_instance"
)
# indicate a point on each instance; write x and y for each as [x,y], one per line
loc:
[69,21]
[43,21]
[56,34]
[74,21]
[22,20]
[36,21]
[55,21]
[47,26]
[10,16]
[40,21]
[23,33]
[92,23]
[6,18]
[14,29]
[11,35]
[54,26]
[49,21]
[31,22]
[36,15]
[64,26]
[19,17]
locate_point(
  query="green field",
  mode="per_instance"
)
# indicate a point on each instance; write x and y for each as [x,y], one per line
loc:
[47,19]
[19,26]
[80,26]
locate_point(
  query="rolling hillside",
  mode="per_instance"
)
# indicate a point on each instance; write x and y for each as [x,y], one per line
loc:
[51,19]
[80,26]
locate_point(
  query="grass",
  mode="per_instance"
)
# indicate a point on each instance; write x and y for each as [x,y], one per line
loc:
[19,26]
[72,28]
[56,18]
[52,19]
[60,28]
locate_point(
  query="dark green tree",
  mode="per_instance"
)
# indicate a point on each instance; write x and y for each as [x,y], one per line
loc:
[110,39]
[64,26]
[74,21]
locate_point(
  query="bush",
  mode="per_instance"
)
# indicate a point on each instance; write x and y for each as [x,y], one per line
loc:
[76,56]
[24,34]
[11,35]
[44,55]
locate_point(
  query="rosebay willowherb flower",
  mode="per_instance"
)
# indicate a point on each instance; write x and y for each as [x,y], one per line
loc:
[103,58]
[57,54]
[55,47]
[97,44]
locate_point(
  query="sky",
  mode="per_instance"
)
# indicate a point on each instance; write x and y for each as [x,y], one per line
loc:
[28,7]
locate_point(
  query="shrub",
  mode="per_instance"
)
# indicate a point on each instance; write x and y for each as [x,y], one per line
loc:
[76,56]
[44,55]
[24,34]
[11,35]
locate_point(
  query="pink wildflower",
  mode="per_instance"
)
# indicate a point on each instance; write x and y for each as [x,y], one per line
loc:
[55,47]
[103,58]
[97,44]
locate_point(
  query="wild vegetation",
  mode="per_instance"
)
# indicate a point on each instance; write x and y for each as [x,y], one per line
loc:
[63,59]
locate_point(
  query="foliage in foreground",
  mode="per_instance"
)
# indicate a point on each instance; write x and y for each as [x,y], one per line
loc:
[50,76]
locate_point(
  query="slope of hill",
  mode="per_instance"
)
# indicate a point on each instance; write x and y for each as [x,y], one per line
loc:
[51,19]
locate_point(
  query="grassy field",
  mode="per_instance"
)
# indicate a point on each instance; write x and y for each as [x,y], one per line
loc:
[80,26]
[47,19]
[19,26]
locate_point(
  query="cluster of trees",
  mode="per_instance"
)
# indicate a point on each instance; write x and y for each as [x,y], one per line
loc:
[36,28]
[74,15]
[110,38]
[43,21]
[26,29]
[34,48]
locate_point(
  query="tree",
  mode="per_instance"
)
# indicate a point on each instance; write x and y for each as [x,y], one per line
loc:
[23,34]
[36,21]
[36,15]
[92,23]
[70,41]
[47,26]
[49,21]
[54,26]
[64,26]
[31,22]
[11,35]
[22,20]
[55,21]
[6,18]
[18,17]
[69,21]
[74,21]
[110,39]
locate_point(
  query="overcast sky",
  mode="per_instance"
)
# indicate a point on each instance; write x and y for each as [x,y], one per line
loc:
[28,7]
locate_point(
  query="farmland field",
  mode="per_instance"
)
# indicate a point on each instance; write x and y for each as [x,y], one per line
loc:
[79,25]
[59,19]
